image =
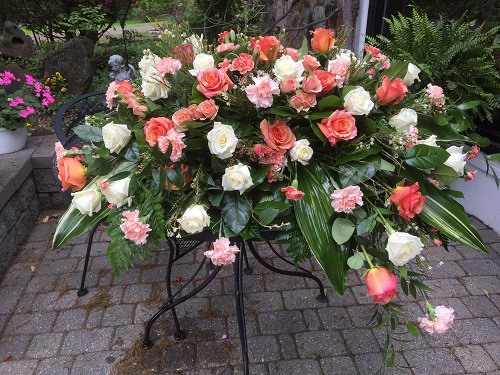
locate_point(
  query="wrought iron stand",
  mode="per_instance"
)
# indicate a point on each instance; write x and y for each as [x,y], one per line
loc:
[241,266]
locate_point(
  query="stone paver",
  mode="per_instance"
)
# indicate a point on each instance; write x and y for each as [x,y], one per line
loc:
[45,328]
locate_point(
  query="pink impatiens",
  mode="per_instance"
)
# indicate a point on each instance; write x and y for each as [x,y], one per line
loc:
[133,229]
[222,252]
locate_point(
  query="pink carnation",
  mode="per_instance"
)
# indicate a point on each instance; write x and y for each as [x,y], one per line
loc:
[443,319]
[167,65]
[340,68]
[434,92]
[174,138]
[227,47]
[345,200]
[266,155]
[410,137]
[292,193]
[243,63]
[222,253]
[473,152]
[261,93]
[302,101]
[133,228]
[26,112]
[60,151]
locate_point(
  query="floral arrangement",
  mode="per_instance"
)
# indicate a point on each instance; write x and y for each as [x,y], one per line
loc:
[18,108]
[336,154]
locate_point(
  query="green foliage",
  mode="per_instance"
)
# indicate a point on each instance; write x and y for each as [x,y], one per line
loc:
[452,54]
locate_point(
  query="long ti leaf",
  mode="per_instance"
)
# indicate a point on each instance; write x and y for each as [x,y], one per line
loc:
[313,213]
[442,212]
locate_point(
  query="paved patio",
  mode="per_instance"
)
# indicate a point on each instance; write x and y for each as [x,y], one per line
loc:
[46,329]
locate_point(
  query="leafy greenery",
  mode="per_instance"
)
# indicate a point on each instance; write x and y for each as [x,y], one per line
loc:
[455,55]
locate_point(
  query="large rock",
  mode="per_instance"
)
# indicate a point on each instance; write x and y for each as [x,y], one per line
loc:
[75,61]
[15,42]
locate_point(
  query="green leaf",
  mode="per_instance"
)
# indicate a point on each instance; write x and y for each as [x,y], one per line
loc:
[366,125]
[468,105]
[313,214]
[358,172]
[440,119]
[411,329]
[99,166]
[196,96]
[259,176]
[398,69]
[493,157]
[445,175]
[88,133]
[366,225]
[427,127]
[267,211]
[425,157]
[342,230]
[319,133]
[356,261]
[480,141]
[304,48]
[403,271]
[332,102]
[318,115]
[236,211]
[358,155]
[281,111]
[118,176]
[442,212]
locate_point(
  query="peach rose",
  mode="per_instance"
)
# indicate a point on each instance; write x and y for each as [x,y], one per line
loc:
[278,136]
[327,80]
[293,53]
[341,125]
[180,116]
[302,101]
[289,85]
[322,40]
[311,84]
[409,200]
[71,173]
[213,82]
[157,127]
[391,92]
[207,110]
[381,285]
[267,47]
[310,63]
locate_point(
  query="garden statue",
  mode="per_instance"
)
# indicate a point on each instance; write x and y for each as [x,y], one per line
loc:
[120,72]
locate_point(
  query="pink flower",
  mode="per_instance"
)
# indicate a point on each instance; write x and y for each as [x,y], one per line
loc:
[311,85]
[222,252]
[345,200]
[174,138]
[207,110]
[292,193]
[473,153]
[180,116]
[213,82]
[167,65]
[6,78]
[273,173]
[381,285]
[26,112]
[30,80]
[293,53]
[470,175]
[15,102]
[442,322]
[266,155]
[227,47]
[410,137]
[302,101]
[435,94]
[133,229]
[289,85]
[103,185]
[374,51]
[340,69]
[341,125]
[310,63]
[243,63]
[60,151]
[261,93]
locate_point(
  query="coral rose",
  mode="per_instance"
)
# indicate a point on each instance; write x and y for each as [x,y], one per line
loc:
[391,92]
[409,200]
[267,47]
[341,125]
[278,136]
[381,285]
[310,63]
[322,40]
[157,127]
[213,82]
[180,116]
[328,81]
[71,173]
[207,110]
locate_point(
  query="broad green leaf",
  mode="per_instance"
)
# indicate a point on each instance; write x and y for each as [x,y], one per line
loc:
[358,155]
[366,125]
[196,96]
[356,261]
[313,214]
[319,115]
[258,176]
[304,48]
[398,69]
[427,127]
[267,211]
[440,119]
[118,176]
[332,102]
[404,271]
[468,105]
[281,111]
[319,133]
[445,175]
[479,140]
[366,225]
[99,166]
[411,329]
[236,211]
[358,172]
[386,166]
[342,230]
[425,157]
[88,133]
[442,212]
[493,157]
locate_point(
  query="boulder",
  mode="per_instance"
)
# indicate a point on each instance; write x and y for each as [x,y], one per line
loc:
[75,61]
[15,42]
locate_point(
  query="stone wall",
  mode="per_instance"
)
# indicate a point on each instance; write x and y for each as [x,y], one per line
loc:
[27,187]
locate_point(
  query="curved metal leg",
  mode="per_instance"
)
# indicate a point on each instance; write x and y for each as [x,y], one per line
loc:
[83,291]
[240,307]
[321,297]
[179,333]
[247,270]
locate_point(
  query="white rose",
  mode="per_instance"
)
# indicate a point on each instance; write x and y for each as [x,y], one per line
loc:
[153,86]
[117,192]
[403,247]
[358,102]
[194,219]
[431,141]
[148,60]
[237,177]
[301,151]
[115,136]
[222,141]
[456,159]
[411,75]
[87,201]
[285,67]
[202,62]
[347,54]
[404,119]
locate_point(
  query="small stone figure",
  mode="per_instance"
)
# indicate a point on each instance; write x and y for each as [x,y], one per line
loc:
[119,72]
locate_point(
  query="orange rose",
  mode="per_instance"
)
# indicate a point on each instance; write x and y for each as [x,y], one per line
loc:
[391,92]
[207,110]
[327,80]
[381,285]
[322,40]
[341,125]
[267,47]
[213,82]
[278,136]
[71,174]
[180,116]
[409,200]
[157,127]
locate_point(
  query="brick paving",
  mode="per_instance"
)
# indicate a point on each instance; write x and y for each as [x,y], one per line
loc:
[46,329]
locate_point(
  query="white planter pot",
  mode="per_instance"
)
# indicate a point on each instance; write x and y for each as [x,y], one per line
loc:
[11,141]
[481,196]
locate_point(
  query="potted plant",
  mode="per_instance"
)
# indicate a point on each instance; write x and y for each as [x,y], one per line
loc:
[17,112]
